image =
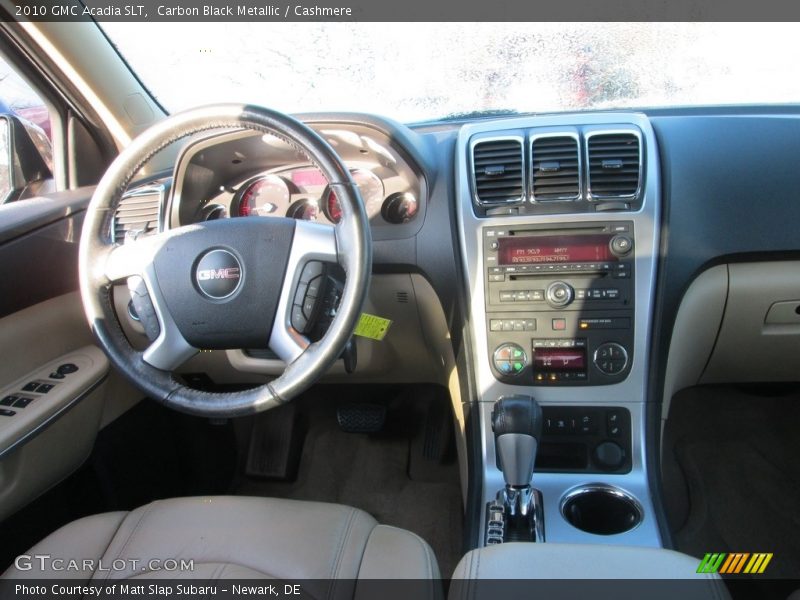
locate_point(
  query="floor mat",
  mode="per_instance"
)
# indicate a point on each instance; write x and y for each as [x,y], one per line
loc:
[379,473]
[732,474]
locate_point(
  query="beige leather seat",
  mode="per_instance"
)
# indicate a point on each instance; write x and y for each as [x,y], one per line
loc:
[243,538]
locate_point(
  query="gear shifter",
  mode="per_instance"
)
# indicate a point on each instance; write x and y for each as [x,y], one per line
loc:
[517,426]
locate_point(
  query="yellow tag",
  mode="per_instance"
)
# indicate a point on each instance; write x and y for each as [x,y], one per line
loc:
[372,327]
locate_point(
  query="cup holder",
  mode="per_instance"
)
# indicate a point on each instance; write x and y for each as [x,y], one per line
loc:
[601,509]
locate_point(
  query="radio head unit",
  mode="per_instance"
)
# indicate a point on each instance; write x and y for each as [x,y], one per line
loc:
[560,302]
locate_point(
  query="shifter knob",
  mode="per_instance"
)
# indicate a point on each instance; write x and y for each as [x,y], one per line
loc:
[517,426]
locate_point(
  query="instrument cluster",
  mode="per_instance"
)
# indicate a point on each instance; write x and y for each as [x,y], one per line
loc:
[303,193]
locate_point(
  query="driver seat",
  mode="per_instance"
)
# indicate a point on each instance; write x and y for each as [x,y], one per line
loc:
[237,537]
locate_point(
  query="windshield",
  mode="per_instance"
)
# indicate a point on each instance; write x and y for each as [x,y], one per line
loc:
[425,71]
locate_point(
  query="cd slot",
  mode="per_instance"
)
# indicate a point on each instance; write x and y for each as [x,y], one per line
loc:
[584,274]
[560,231]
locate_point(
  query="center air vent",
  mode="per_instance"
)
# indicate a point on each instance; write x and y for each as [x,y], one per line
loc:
[498,167]
[614,165]
[555,167]
[137,213]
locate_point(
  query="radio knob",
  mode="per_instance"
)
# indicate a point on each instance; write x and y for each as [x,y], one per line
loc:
[621,245]
[559,294]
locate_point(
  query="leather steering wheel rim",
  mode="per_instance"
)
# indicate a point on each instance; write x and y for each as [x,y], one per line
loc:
[99,258]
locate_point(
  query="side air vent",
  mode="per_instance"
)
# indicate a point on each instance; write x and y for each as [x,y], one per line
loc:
[555,168]
[498,168]
[138,213]
[614,165]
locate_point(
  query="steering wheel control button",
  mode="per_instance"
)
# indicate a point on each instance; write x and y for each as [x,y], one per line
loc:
[314,287]
[299,320]
[311,270]
[621,245]
[611,358]
[309,296]
[510,359]
[559,294]
[22,402]
[218,274]
[300,294]
[8,400]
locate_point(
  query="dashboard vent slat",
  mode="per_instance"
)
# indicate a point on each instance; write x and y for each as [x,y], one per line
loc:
[614,165]
[138,213]
[498,168]
[555,168]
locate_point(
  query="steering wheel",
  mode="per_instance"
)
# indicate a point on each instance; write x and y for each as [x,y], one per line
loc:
[228,283]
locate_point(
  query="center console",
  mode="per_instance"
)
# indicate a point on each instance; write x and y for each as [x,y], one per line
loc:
[558,223]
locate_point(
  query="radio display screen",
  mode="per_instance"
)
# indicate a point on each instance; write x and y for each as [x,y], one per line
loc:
[549,249]
[548,360]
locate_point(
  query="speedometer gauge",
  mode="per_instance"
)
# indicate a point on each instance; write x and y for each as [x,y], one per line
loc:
[369,185]
[263,196]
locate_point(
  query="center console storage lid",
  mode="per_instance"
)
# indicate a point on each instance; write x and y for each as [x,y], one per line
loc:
[517,560]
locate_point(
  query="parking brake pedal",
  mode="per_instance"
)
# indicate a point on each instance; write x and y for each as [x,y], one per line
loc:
[361,417]
[275,445]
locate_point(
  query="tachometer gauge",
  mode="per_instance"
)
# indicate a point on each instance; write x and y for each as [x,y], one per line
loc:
[262,197]
[369,185]
[304,210]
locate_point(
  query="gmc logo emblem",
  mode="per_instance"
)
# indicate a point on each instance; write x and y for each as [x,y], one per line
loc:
[229,273]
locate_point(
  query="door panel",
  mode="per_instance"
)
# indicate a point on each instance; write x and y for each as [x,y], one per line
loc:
[50,418]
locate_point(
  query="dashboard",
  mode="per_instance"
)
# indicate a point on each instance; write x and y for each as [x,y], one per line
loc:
[559,250]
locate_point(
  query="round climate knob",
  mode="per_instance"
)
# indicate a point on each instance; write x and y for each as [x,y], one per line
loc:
[559,294]
[509,359]
[611,358]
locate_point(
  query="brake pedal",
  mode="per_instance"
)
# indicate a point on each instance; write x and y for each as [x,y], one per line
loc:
[361,417]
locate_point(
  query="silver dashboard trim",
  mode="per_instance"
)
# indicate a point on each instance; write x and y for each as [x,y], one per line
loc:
[631,393]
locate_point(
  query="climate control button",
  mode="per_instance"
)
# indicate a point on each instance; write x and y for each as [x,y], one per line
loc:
[509,359]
